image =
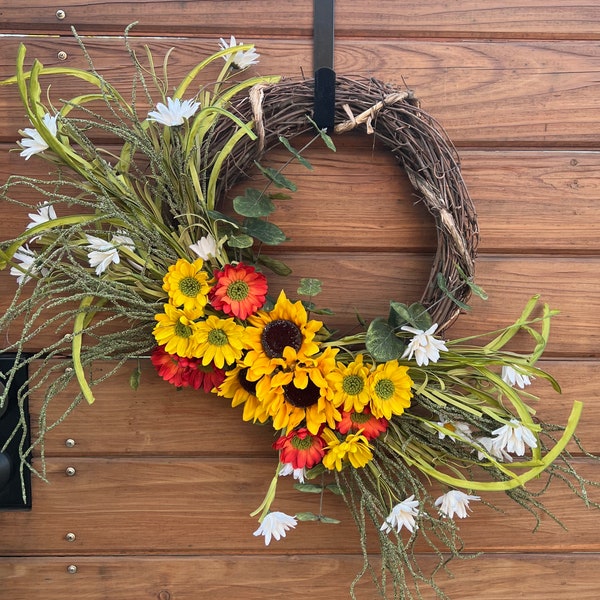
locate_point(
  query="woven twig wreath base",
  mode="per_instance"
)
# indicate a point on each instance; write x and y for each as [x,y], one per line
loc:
[420,145]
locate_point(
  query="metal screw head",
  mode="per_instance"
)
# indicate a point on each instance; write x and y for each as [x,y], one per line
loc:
[72,569]
[60,14]
[70,471]
[69,443]
[62,55]
[70,537]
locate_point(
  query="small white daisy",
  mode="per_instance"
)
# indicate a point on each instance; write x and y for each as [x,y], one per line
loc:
[456,503]
[402,515]
[425,347]
[174,113]
[514,437]
[514,377]
[275,524]
[205,247]
[242,58]
[34,143]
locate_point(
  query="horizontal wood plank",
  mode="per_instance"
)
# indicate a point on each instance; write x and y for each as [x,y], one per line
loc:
[126,422]
[513,18]
[359,282]
[162,505]
[526,202]
[505,94]
[495,577]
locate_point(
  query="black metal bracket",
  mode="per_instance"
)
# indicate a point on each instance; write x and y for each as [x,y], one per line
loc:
[12,483]
[324,36]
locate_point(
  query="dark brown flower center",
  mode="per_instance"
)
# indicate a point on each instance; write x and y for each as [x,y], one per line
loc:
[277,335]
[302,398]
[249,386]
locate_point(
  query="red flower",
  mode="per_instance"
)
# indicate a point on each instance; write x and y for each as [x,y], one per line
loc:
[186,372]
[300,448]
[239,291]
[354,421]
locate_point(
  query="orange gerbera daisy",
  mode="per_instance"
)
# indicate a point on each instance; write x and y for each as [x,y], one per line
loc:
[354,421]
[239,291]
[300,448]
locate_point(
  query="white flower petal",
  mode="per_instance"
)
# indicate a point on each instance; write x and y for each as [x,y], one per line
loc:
[34,143]
[275,524]
[402,515]
[205,248]
[174,113]
[242,58]
[423,346]
[456,503]
[28,267]
[513,376]
[514,437]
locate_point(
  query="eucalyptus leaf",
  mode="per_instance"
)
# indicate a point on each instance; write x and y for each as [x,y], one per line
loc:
[441,281]
[134,379]
[215,215]
[240,240]
[264,231]
[310,286]
[331,520]
[381,341]
[275,265]
[306,516]
[476,289]
[323,133]
[420,318]
[277,178]
[253,203]
[295,152]
[335,489]
[309,488]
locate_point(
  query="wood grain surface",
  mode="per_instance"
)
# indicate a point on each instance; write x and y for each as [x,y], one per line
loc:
[164,480]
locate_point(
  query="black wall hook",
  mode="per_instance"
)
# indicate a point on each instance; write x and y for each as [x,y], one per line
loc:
[323,31]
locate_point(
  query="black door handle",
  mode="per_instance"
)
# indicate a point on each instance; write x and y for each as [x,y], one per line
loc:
[5,469]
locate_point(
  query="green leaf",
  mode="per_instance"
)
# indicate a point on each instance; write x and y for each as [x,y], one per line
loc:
[322,132]
[240,241]
[279,196]
[420,318]
[335,489]
[399,315]
[215,215]
[295,152]
[331,520]
[134,379]
[310,286]
[309,488]
[381,341]
[277,266]
[476,289]
[441,281]
[306,516]
[278,179]
[253,204]
[264,231]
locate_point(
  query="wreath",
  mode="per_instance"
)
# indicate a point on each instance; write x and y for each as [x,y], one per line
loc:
[131,255]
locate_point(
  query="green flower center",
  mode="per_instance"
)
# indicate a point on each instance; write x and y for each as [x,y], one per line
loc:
[360,418]
[302,443]
[353,385]
[217,337]
[277,335]
[302,398]
[183,331]
[385,389]
[238,290]
[190,287]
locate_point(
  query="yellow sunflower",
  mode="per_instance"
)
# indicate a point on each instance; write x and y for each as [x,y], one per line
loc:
[187,284]
[269,333]
[219,341]
[390,388]
[302,393]
[351,385]
[176,330]
[242,391]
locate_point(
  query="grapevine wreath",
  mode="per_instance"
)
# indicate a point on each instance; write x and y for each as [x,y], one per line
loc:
[130,254]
